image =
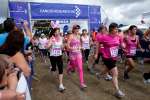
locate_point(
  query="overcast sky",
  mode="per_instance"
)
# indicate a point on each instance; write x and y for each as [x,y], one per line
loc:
[121,11]
[125,11]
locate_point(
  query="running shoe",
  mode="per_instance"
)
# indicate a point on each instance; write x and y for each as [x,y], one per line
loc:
[83,86]
[61,88]
[92,71]
[108,77]
[98,75]
[147,81]
[119,94]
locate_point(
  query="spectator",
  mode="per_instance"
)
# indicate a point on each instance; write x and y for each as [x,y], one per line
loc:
[13,40]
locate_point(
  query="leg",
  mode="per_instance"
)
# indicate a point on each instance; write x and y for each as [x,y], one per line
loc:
[114,72]
[53,63]
[80,69]
[60,69]
[128,68]
[71,63]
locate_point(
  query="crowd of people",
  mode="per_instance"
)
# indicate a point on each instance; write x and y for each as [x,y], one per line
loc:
[18,47]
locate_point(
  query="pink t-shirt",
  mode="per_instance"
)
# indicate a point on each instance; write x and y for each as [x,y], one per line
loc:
[111,45]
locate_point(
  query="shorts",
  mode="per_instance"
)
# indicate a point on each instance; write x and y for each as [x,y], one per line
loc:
[109,63]
[130,56]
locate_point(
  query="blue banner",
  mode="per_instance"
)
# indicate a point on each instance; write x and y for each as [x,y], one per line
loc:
[19,11]
[58,11]
[94,17]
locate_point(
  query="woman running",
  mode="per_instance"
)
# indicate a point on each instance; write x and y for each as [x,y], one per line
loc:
[111,44]
[42,44]
[131,43]
[56,46]
[101,32]
[85,42]
[75,56]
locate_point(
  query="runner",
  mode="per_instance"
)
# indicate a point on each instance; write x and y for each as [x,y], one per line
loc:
[101,32]
[111,44]
[75,56]
[145,44]
[85,42]
[42,43]
[56,45]
[131,43]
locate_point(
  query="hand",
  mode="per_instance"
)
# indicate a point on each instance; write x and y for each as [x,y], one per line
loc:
[149,46]
[142,50]
[20,96]
[12,95]
[95,56]
[25,23]
[82,48]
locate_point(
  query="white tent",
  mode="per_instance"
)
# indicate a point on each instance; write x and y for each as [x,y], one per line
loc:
[139,26]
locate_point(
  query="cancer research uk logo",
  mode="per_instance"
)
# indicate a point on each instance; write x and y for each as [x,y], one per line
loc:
[77,11]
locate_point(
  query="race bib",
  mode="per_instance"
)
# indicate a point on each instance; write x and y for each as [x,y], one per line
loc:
[114,51]
[86,45]
[56,52]
[133,50]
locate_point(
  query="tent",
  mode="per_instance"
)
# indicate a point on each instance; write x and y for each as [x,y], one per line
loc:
[139,26]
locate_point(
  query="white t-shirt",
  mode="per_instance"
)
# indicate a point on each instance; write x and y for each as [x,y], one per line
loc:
[42,43]
[85,42]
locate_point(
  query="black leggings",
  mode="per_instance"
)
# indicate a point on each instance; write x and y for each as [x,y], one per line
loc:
[57,61]
[86,53]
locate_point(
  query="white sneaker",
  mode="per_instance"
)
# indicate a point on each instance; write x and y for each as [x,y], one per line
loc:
[83,86]
[61,88]
[147,81]
[119,94]
[98,75]
[108,78]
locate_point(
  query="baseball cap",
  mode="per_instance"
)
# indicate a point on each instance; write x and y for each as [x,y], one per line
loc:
[76,27]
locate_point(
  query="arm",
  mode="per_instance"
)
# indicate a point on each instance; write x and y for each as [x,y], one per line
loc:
[20,61]
[12,81]
[139,46]
[81,43]
[49,44]
[68,42]
[27,30]
[11,95]
[97,49]
[97,42]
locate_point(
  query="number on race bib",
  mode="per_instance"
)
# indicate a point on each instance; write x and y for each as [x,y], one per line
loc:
[133,51]
[57,51]
[86,45]
[114,51]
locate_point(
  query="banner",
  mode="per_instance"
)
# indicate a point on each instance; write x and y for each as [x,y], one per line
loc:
[19,11]
[65,12]
[58,11]
[94,17]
